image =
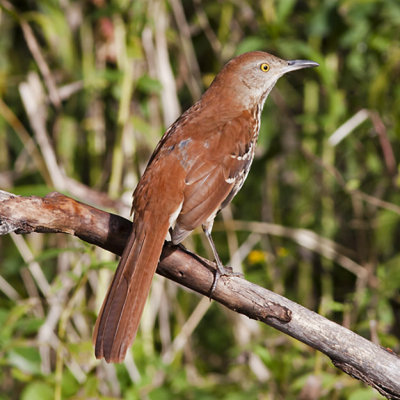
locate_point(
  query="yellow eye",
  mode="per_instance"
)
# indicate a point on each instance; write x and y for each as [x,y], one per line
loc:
[264,67]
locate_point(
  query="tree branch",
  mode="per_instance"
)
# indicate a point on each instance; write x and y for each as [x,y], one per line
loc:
[353,354]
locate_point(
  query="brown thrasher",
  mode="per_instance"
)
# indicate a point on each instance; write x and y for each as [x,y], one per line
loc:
[196,169]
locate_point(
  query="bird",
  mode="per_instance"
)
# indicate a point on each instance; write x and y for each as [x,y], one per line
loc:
[198,166]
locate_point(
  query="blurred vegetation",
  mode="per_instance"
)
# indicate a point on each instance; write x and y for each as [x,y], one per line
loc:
[86,90]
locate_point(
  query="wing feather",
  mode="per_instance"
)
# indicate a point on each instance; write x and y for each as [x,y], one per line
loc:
[212,181]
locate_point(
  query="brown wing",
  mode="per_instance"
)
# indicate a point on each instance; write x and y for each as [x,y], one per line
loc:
[203,194]
[213,179]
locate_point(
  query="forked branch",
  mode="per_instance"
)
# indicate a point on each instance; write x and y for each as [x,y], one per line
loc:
[355,355]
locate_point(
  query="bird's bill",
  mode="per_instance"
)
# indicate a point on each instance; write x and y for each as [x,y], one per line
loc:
[293,65]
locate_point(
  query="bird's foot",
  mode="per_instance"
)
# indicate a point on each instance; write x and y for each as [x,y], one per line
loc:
[222,271]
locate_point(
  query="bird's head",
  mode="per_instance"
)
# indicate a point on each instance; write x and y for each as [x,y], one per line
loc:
[251,76]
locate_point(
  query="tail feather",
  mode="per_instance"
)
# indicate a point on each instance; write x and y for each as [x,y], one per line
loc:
[119,317]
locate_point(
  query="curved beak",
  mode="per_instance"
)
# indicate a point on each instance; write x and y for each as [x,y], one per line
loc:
[293,65]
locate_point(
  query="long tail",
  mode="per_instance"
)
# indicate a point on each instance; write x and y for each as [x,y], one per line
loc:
[119,318]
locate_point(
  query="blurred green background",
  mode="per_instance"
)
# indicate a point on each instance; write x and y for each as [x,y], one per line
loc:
[86,90]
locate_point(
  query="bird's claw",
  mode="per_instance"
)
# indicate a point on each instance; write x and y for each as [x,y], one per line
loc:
[223,271]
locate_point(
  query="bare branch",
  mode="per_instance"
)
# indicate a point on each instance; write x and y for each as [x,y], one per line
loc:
[355,355]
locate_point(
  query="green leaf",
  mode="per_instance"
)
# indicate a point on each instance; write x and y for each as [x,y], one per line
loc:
[37,391]
[364,394]
[251,43]
[148,85]
[26,359]
[32,190]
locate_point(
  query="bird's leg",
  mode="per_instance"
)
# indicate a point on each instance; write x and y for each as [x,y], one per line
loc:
[221,270]
[207,230]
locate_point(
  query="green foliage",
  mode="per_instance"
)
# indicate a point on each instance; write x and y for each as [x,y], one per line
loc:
[113,100]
